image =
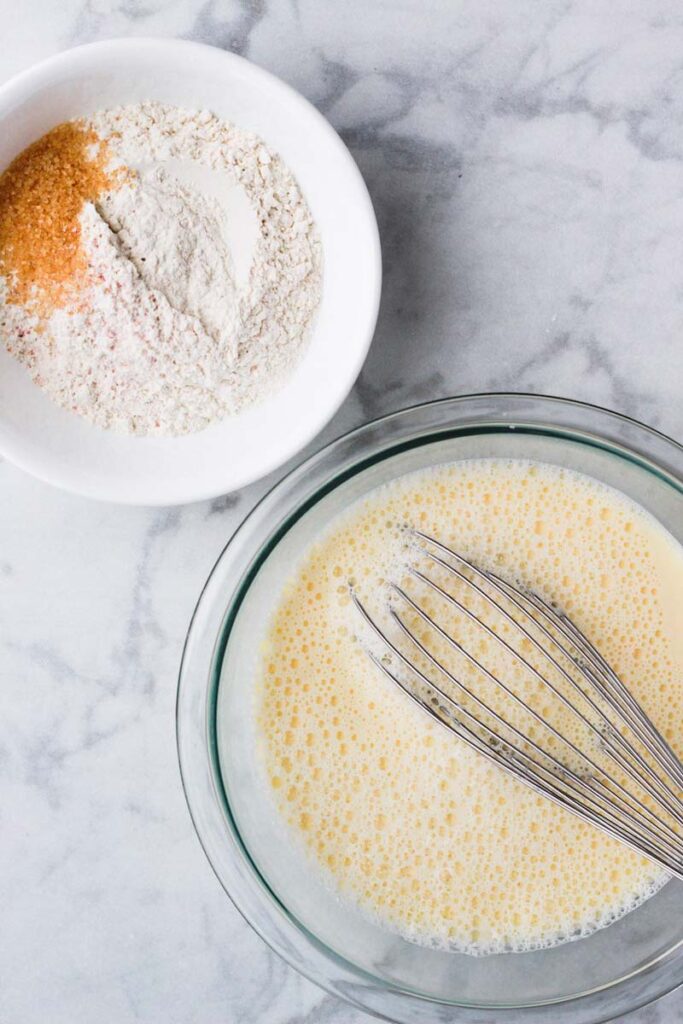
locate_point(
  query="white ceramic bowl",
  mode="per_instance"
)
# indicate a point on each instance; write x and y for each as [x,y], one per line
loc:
[65,449]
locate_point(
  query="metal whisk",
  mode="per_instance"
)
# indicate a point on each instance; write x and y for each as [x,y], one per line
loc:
[553,713]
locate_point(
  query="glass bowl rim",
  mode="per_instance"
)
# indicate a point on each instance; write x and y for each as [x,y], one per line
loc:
[666,463]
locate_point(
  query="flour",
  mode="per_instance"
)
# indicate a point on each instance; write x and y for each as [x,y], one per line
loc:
[176,239]
[166,337]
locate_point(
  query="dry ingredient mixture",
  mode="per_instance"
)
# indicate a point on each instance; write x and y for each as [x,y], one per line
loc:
[124,287]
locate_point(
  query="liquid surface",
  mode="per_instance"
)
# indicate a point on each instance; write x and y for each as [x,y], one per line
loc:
[424,834]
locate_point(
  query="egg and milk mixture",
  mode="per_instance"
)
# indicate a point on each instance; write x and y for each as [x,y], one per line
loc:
[422,833]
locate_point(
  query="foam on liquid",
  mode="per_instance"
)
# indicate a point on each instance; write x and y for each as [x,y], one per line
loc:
[420,831]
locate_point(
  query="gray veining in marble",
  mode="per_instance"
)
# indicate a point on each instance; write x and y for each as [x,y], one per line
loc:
[526,162]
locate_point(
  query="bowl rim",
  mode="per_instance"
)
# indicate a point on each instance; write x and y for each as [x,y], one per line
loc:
[572,1008]
[176,490]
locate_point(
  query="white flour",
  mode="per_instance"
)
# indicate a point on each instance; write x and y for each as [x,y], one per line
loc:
[167,339]
[176,239]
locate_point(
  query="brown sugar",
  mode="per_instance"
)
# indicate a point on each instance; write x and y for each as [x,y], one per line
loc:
[42,193]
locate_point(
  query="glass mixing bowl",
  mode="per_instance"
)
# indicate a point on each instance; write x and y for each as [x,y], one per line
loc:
[593,979]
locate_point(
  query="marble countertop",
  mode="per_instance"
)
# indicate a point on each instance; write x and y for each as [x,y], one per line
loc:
[526,163]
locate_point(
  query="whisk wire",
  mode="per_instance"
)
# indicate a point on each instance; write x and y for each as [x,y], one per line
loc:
[536,773]
[595,813]
[604,739]
[669,798]
[639,720]
[592,792]
[633,716]
[624,804]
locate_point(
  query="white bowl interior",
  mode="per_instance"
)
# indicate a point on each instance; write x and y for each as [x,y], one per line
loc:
[65,449]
